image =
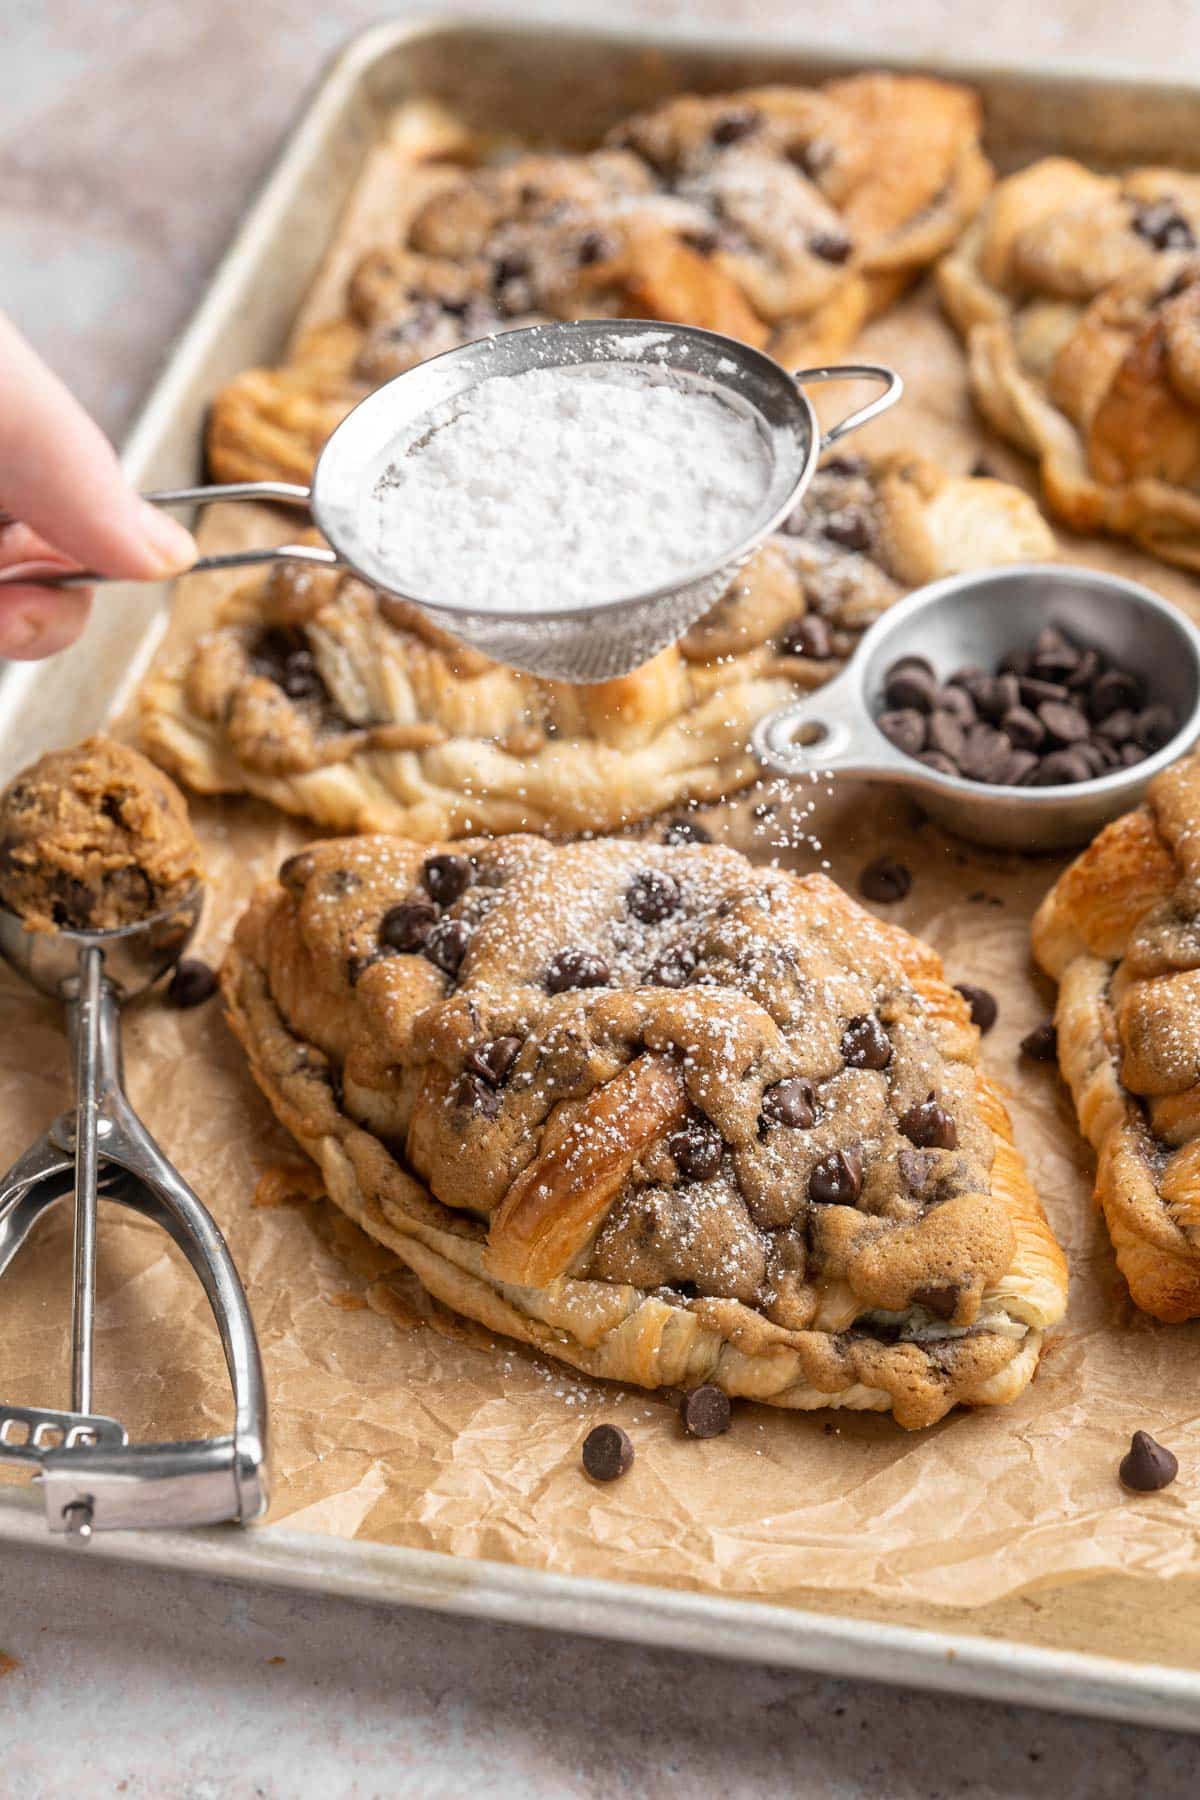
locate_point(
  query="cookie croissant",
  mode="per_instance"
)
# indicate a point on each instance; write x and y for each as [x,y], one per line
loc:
[662,1114]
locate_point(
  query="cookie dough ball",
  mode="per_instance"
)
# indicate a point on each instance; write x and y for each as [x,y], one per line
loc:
[94,838]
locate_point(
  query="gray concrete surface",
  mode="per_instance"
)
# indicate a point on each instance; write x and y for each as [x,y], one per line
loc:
[131,136]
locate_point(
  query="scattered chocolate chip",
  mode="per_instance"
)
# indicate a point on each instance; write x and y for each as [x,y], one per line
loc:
[733,126]
[471,1091]
[982,1004]
[607,1452]
[492,1062]
[885,881]
[837,1179]
[706,1412]
[929,1126]
[1162,224]
[652,896]
[1065,723]
[573,968]
[446,877]
[865,1044]
[446,944]
[686,831]
[848,528]
[192,984]
[406,927]
[917,1168]
[1041,1044]
[809,636]
[905,728]
[792,1102]
[1148,1465]
[697,1148]
[830,246]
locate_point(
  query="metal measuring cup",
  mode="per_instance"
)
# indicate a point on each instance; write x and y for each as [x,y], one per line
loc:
[979,618]
[92,1478]
[593,643]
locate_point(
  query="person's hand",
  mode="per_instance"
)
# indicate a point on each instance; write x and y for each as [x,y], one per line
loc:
[60,478]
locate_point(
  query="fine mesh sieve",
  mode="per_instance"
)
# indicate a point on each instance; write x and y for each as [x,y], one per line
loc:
[579,643]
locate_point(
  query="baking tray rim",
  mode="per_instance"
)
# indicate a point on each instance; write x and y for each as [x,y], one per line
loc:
[982,1667]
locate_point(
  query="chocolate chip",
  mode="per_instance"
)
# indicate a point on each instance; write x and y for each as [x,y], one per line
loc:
[192,983]
[1021,765]
[446,877]
[1148,1465]
[1062,768]
[885,881]
[905,728]
[1085,671]
[830,246]
[594,247]
[492,1062]
[910,683]
[1114,691]
[929,1126]
[1065,723]
[941,1301]
[652,896]
[1118,727]
[1054,657]
[476,1095]
[1154,728]
[673,968]
[849,528]
[1131,754]
[706,1412]
[842,463]
[446,944]
[917,1168]
[1033,691]
[982,1004]
[1095,757]
[791,1102]
[697,1148]
[809,636]
[574,968]
[406,927]
[986,754]
[705,243]
[1016,661]
[686,831]
[607,1452]
[865,1044]
[507,270]
[1041,1044]
[297,870]
[1023,729]
[837,1179]
[1162,224]
[733,126]
[946,735]
[933,759]
[957,702]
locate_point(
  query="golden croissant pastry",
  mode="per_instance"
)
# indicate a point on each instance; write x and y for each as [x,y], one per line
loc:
[318,694]
[782,216]
[1078,296]
[664,1115]
[1120,933]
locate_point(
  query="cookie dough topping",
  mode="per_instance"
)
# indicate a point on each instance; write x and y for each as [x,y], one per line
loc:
[94,838]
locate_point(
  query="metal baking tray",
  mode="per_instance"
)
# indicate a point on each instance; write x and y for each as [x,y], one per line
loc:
[575,82]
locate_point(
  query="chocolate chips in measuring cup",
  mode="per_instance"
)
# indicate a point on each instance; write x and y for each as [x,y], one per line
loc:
[1053,713]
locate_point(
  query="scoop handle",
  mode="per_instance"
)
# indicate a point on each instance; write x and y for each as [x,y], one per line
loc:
[281,493]
[893,387]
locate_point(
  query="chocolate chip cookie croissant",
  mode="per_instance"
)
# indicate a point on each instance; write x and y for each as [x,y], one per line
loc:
[664,1115]
[1120,933]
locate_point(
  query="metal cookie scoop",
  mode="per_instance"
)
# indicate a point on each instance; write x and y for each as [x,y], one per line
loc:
[592,643]
[93,1478]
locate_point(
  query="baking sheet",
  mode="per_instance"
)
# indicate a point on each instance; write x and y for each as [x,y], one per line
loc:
[388,1435]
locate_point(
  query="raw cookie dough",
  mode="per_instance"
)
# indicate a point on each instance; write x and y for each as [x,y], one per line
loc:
[93,838]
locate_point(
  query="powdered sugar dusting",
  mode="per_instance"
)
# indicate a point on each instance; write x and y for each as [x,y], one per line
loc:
[567,487]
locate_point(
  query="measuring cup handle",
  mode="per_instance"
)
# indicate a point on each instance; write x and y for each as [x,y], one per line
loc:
[893,387]
[823,732]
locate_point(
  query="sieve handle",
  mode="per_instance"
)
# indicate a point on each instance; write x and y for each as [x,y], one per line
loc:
[893,387]
[282,493]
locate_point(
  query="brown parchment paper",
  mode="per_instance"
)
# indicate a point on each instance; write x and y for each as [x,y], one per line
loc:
[394,1422]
